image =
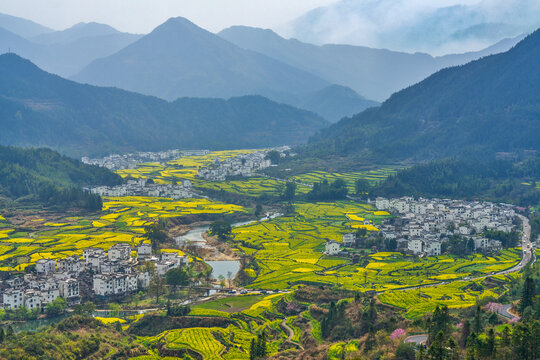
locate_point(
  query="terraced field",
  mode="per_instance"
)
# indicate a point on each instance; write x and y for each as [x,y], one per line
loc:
[373,176]
[289,251]
[123,222]
[233,342]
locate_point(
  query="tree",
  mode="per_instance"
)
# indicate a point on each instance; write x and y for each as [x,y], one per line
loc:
[437,349]
[289,191]
[528,294]
[157,287]
[361,187]
[221,229]
[465,332]
[57,307]
[156,233]
[405,351]
[177,277]
[115,309]
[274,156]
[258,210]
[2,335]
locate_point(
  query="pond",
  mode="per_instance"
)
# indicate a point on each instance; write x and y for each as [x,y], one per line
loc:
[224,267]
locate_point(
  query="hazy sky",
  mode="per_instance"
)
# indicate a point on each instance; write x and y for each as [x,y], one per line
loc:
[141,16]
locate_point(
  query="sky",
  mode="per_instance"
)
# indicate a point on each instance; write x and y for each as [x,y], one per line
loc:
[141,16]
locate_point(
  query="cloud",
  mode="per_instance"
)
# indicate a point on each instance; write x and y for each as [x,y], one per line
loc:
[435,26]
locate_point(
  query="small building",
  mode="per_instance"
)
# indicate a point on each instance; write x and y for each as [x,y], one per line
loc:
[349,239]
[416,246]
[332,248]
[45,266]
[144,250]
[119,252]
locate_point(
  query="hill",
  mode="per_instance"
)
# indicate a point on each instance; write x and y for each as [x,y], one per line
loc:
[76,32]
[66,52]
[22,27]
[180,59]
[475,110]
[50,178]
[374,73]
[41,109]
[500,181]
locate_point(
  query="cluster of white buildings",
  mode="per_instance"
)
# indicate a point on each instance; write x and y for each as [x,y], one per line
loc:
[130,161]
[424,224]
[113,274]
[242,165]
[141,187]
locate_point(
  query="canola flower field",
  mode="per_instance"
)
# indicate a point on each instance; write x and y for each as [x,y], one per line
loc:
[123,221]
[250,313]
[289,250]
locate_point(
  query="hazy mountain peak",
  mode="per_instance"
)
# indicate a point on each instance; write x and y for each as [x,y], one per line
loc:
[22,27]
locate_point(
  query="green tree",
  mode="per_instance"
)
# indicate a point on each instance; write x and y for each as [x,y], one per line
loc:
[57,307]
[289,191]
[274,157]
[528,294]
[361,187]
[437,349]
[115,309]
[221,229]
[177,277]
[405,351]
[157,287]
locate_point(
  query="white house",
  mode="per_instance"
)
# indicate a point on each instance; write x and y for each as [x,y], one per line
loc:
[332,248]
[416,246]
[69,288]
[120,252]
[144,250]
[45,266]
[13,299]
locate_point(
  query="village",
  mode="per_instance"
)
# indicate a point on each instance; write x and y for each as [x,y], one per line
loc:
[130,161]
[97,276]
[421,226]
[243,165]
[145,187]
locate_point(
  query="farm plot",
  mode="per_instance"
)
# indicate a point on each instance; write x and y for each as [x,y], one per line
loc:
[373,176]
[123,222]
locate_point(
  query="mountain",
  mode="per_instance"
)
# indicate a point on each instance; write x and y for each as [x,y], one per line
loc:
[335,102]
[50,178]
[78,31]
[180,59]
[67,52]
[22,27]
[374,73]
[475,110]
[41,109]
[435,27]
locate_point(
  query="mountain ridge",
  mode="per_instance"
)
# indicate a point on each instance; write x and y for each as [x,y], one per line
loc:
[42,109]
[486,106]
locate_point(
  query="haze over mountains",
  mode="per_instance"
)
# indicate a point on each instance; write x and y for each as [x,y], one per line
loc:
[374,73]
[436,26]
[181,59]
[41,109]
[63,52]
[475,110]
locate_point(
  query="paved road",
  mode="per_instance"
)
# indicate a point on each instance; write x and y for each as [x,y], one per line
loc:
[417,339]
[504,311]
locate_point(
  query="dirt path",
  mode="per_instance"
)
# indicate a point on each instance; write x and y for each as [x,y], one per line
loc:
[291,334]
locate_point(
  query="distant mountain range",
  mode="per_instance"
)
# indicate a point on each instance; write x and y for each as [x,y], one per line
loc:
[63,52]
[475,110]
[22,27]
[435,27]
[374,73]
[180,59]
[41,109]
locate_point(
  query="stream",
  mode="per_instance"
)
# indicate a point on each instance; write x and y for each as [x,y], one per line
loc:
[223,267]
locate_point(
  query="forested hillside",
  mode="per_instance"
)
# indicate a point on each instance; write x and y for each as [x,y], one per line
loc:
[50,178]
[467,179]
[475,110]
[41,109]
